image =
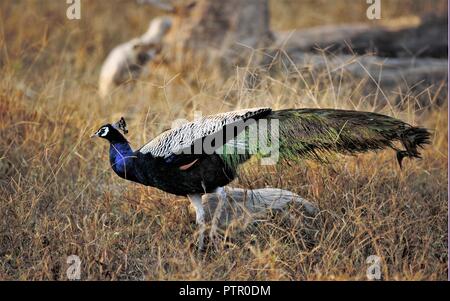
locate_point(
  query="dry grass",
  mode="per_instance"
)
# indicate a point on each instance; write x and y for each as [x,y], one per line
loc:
[59,197]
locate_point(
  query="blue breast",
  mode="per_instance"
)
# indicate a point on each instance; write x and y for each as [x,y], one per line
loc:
[121,158]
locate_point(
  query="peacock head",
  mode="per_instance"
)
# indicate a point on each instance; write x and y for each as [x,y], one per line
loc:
[112,132]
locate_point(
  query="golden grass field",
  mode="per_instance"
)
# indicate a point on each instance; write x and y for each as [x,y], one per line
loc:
[58,195]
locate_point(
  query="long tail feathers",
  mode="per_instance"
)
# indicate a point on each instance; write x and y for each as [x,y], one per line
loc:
[318,133]
[411,139]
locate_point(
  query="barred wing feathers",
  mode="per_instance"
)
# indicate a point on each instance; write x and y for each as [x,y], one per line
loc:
[173,141]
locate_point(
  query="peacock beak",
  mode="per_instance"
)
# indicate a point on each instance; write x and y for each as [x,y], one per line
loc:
[94,135]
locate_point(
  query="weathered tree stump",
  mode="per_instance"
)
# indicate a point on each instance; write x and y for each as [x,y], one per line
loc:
[219,24]
[217,33]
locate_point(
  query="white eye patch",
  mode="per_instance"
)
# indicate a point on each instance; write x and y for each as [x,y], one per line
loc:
[104,131]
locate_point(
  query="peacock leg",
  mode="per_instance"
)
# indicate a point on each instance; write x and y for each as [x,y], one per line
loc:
[222,197]
[196,200]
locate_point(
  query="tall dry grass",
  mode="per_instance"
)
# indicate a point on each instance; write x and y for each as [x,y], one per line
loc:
[59,197]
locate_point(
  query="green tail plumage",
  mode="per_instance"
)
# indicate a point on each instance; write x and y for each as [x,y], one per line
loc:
[319,133]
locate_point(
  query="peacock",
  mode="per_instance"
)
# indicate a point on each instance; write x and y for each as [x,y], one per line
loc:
[203,156]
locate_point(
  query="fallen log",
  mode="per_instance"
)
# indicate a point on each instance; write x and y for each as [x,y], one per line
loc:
[306,39]
[427,39]
[246,205]
[402,64]
[393,78]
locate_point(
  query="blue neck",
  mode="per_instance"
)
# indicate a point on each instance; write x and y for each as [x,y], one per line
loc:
[121,157]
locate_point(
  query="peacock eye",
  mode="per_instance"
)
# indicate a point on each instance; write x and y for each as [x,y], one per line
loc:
[104,131]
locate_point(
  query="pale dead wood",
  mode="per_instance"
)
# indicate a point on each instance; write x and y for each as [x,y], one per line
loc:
[219,32]
[246,205]
[426,39]
[305,39]
[166,6]
[386,76]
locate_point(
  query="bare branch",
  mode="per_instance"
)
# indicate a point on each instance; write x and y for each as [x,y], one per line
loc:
[161,4]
